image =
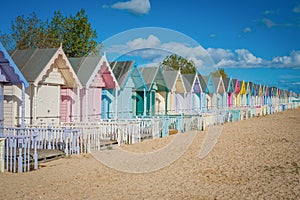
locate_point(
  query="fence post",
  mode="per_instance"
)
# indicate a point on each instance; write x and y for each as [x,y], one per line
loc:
[35,155]
[20,158]
[2,142]
[66,138]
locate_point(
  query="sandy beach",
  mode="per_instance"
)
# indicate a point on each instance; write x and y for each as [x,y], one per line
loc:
[257,158]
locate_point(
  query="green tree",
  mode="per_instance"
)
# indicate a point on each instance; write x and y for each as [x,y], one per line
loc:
[28,32]
[74,32]
[177,62]
[79,37]
[219,72]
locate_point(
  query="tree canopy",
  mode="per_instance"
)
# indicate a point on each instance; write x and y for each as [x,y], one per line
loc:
[74,32]
[219,72]
[176,62]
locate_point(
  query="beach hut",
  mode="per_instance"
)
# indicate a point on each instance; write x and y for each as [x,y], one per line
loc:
[131,96]
[53,92]
[157,91]
[237,90]
[176,95]
[266,94]
[11,75]
[204,97]
[194,93]
[255,95]
[211,92]
[220,92]
[260,94]
[249,91]
[273,95]
[243,92]
[95,75]
[229,88]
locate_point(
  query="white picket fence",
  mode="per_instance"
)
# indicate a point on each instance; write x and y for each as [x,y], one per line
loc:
[21,145]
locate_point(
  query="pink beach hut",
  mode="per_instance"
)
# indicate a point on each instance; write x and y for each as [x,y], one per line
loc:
[229,88]
[95,76]
[237,90]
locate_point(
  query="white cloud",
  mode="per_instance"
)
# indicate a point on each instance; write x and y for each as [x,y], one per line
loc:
[246,56]
[139,7]
[153,50]
[138,43]
[269,23]
[292,61]
[213,35]
[219,54]
[247,30]
[297,9]
[243,58]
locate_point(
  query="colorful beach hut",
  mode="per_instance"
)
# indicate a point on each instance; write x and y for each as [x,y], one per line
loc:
[211,92]
[95,75]
[237,90]
[220,92]
[243,92]
[249,90]
[131,96]
[229,88]
[53,93]
[204,97]
[194,93]
[176,95]
[11,75]
[157,91]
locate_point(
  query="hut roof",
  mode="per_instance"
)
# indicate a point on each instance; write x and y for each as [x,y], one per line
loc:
[31,62]
[10,68]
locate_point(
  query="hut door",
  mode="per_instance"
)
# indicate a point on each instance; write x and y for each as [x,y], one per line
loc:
[48,104]
[139,103]
[106,104]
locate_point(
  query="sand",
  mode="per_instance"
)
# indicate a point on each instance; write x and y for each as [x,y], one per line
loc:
[258,158]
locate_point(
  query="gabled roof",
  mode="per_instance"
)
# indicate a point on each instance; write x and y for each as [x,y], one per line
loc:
[121,70]
[188,80]
[226,81]
[125,69]
[203,82]
[170,77]
[219,85]
[10,69]
[191,83]
[31,62]
[174,80]
[88,69]
[84,67]
[237,86]
[243,89]
[211,88]
[36,63]
[153,78]
[249,87]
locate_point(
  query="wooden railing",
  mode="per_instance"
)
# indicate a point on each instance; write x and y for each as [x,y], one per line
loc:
[22,144]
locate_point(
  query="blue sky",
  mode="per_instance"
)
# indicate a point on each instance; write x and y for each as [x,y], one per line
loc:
[251,39]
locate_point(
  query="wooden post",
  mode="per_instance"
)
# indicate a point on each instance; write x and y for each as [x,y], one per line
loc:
[34,104]
[23,109]
[166,103]
[116,111]
[2,156]
[145,103]
[86,104]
